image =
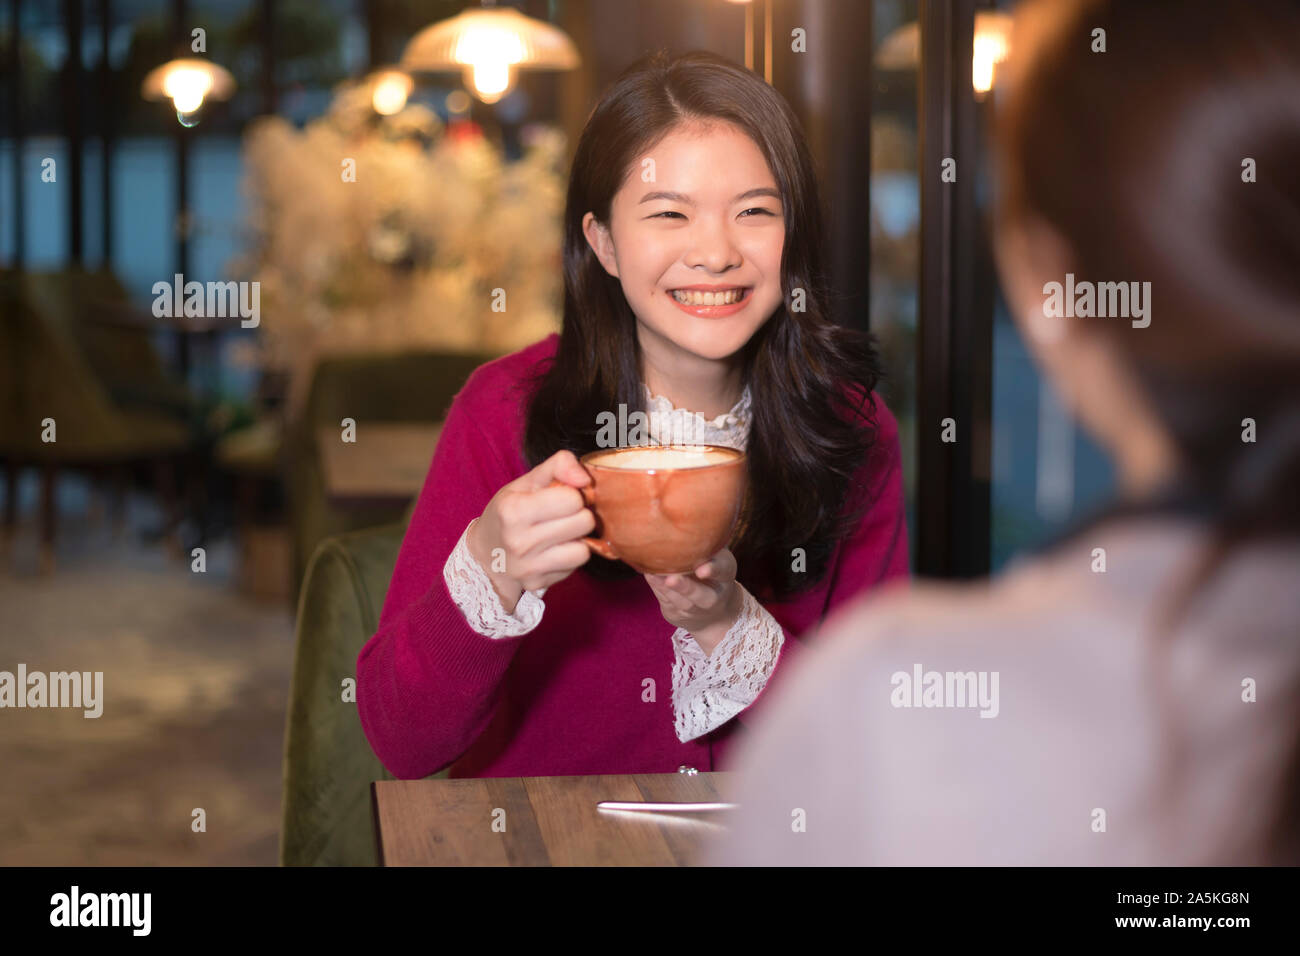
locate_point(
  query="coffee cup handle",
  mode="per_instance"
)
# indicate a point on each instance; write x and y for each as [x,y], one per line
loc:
[597,545]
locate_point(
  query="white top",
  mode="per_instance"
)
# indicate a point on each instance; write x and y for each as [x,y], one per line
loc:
[708,690]
[1061,761]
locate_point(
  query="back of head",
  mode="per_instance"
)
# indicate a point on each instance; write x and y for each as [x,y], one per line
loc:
[1161,140]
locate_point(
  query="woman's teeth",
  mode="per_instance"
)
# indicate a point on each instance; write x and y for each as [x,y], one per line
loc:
[708,298]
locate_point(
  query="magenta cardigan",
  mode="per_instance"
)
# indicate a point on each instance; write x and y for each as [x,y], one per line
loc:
[569,696]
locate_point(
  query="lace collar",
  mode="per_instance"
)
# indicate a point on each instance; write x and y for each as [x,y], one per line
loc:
[670,425]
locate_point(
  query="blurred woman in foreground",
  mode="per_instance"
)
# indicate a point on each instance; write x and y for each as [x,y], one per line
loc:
[1131,696]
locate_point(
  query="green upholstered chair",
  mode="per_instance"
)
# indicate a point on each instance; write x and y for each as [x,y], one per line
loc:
[328,763]
[47,376]
[93,309]
[381,387]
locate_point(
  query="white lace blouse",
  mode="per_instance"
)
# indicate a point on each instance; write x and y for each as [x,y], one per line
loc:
[708,689]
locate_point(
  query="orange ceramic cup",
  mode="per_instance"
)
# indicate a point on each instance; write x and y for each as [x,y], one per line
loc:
[663,509]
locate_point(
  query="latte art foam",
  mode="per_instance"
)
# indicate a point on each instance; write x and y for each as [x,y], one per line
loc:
[644,458]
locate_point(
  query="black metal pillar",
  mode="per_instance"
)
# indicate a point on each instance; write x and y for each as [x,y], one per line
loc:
[181,141]
[107,129]
[954,361]
[72,70]
[829,88]
[16,119]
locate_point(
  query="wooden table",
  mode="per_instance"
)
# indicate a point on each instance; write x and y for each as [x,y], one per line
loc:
[386,465]
[549,821]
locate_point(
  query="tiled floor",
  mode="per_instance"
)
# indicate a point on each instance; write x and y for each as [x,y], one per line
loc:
[195,684]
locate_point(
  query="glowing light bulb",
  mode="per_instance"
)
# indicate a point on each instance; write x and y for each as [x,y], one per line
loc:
[188,82]
[992,44]
[490,79]
[490,45]
[989,51]
[389,92]
[187,86]
[488,51]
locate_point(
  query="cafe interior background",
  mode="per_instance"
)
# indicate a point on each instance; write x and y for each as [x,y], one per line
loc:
[198,517]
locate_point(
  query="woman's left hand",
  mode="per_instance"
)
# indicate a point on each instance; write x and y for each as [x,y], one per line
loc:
[706,603]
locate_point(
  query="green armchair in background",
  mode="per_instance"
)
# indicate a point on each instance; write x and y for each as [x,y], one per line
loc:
[328,762]
[47,377]
[92,308]
[387,387]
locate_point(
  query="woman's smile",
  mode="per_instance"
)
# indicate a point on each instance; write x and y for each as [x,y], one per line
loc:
[711,301]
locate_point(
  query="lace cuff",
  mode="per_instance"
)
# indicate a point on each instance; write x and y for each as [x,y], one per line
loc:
[708,690]
[472,590]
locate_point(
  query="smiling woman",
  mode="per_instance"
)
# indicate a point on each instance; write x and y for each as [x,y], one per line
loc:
[708,246]
[700,299]
[693,290]
[693,176]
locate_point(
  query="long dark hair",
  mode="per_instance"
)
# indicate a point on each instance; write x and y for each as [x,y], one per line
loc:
[813,415]
[1138,157]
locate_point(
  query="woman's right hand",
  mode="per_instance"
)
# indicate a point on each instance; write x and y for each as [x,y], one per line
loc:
[537,528]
